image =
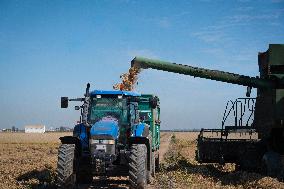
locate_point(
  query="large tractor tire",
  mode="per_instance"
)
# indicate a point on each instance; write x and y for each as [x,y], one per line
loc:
[66,178]
[138,166]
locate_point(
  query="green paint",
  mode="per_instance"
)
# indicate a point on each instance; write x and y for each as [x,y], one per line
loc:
[150,116]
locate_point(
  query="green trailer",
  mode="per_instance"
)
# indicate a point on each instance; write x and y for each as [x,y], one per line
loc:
[149,113]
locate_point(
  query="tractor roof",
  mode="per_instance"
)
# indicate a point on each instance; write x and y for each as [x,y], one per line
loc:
[126,93]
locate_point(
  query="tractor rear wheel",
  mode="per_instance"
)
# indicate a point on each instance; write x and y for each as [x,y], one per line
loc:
[66,178]
[138,166]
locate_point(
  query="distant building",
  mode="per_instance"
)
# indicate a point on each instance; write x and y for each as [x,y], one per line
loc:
[51,129]
[34,128]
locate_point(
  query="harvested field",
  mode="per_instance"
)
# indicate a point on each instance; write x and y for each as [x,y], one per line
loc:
[31,137]
[29,161]
[180,170]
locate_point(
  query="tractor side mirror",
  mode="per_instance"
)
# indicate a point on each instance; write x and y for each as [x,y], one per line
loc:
[64,102]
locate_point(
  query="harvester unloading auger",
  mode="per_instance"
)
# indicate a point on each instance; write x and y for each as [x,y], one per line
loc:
[265,152]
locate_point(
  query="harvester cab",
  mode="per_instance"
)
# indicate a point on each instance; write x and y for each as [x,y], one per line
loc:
[111,139]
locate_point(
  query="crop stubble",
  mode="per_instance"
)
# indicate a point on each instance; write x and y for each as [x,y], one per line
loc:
[29,161]
[180,170]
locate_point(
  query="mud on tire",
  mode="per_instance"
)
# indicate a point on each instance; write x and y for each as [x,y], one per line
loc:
[138,166]
[65,172]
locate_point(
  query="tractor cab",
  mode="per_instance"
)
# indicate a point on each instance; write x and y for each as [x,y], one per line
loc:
[112,114]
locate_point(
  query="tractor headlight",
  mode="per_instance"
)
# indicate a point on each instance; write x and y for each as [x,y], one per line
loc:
[101,141]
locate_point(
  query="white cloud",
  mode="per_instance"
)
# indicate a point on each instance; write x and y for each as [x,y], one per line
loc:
[209,35]
[245,9]
[248,18]
[217,32]
[277,1]
[164,23]
[141,52]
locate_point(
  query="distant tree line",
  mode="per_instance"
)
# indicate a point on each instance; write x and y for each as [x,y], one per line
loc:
[180,130]
[14,129]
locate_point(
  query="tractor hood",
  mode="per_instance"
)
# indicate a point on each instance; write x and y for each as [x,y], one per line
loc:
[105,128]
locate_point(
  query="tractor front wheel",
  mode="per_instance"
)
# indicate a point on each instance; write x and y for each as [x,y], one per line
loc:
[66,178]
[138,166]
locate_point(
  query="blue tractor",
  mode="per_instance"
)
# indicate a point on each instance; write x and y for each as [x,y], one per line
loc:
[118,134]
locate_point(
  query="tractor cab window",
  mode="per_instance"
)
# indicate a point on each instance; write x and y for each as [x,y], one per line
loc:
[110,107]
[133,111]
[145,117]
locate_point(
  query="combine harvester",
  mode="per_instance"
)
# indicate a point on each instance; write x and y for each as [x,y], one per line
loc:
[118,134]
[265,153]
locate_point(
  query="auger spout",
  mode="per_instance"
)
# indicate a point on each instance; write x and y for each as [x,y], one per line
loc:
[217,75]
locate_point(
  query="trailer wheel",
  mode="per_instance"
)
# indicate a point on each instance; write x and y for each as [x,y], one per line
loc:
[157,161]
[151,171]
[138,166]
[66,177]
[153,163]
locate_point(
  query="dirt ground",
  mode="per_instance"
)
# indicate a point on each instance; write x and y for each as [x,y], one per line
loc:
[180,170]
[29,161]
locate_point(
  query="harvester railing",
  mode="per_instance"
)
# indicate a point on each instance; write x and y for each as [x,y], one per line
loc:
[242,110]
[245,104]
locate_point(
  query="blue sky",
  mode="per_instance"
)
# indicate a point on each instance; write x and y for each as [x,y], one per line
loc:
[50,49]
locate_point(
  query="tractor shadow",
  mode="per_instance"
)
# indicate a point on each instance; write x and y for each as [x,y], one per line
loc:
[235,177]
[107,182]
[43,179]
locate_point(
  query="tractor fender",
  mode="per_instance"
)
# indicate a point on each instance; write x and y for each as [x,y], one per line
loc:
[80,132]
[72,140]
[140,135]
